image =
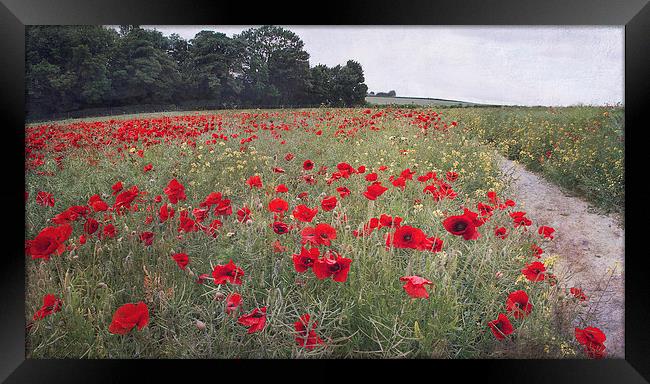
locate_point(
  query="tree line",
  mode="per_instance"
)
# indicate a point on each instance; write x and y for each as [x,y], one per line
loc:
[69,68]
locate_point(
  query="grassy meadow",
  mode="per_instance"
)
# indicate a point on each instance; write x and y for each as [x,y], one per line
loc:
[369,314]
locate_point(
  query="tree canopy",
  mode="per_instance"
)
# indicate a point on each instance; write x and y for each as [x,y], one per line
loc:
[71,68]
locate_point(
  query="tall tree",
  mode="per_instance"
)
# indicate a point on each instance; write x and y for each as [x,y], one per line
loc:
[211,60]
[67,66]
[141,69]
[275,66]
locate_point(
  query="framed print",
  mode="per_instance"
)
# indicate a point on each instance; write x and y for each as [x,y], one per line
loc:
[206,190]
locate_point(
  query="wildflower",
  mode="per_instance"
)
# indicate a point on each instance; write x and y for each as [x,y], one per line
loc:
[128,316]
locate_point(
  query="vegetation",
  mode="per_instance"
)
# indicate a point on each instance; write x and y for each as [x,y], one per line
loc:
[433,165]
[70,68]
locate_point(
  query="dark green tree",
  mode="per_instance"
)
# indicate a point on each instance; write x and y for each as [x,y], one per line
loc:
[67,67]
[211,62]
[142,71]
[274,65]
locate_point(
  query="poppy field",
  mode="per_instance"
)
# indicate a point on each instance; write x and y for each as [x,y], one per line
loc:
[332,233]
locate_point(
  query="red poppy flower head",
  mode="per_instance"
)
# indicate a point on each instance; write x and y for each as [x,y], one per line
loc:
[517,303]
[128,316]
[175,191]
[254,182]
[181,260]
[304,213]
[535,271]
[308,165]
[415,286]
[461,225]
[233,301]
[307,336]
[278,205]
[328,203]
[51,304]
[254,321]
[501,327]
[593,340]
[229,273]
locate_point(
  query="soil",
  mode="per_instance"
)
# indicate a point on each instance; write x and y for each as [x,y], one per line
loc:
[589,245]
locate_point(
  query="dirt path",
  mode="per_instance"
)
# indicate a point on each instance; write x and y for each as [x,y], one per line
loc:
[588,244]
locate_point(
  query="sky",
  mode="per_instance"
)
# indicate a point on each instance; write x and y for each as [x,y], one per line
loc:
[555,66]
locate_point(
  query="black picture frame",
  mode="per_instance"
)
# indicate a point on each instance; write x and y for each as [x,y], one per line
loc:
[633,14]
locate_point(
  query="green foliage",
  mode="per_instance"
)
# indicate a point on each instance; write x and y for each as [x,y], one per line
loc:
[71,68]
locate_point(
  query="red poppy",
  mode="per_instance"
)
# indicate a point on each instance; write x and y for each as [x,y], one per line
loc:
[303,195]
[117,187]
[537,251]
[147,238]
[388,221]
[51,304]
[461,225]
[129,316]
[50,240]
[334,265]
[148,167]
[500,232]
[280,228]
[534,271]
[304,213]
[484,209]
[593,340]
[44,199]
[307,337]
[97,203]
[520,219]
[229,273]
[200,214]
[328,203]
[578,293]
[501,327]
[308,165]
[233,301]
[278,247]
[452,176]
[545,231]
[305,260]
[254,321]
[371,177]
[254,181]
[374,190]
[175,191]
[343,191]
[400,182]
[518,304]
[289,156]
[91,225]
[321,234]
[181,259]
[277,170]
[125,198]
[278,205]
[281,189]
[415,286]
[165,213]
[408,237]
[244,215]
[109,230]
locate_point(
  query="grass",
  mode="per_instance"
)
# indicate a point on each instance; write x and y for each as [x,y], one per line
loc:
[369,315]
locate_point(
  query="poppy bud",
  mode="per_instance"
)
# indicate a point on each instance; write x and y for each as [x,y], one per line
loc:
[219,296]
[102,285]
[200,325]
[498,275]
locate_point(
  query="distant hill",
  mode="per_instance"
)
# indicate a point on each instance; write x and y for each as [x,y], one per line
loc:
[424,101]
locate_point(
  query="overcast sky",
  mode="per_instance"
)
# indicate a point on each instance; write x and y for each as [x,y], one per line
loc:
[504,65]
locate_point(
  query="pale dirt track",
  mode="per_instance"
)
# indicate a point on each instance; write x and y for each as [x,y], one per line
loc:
[588,245]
